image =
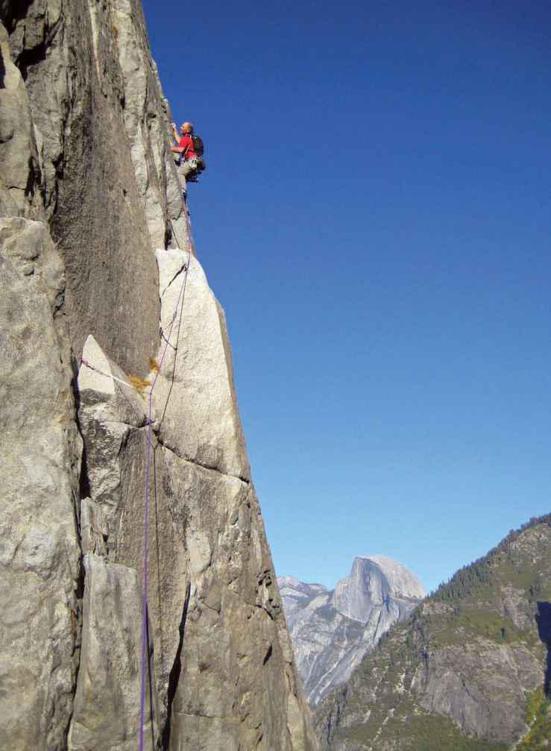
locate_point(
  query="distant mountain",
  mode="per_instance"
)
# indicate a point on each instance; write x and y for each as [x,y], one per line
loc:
[469,670]
[332,630]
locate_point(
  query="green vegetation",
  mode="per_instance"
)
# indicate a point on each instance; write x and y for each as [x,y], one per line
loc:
[487,614]
[479,577]
[474,621]
[538,718]
[423,732]
[468,581]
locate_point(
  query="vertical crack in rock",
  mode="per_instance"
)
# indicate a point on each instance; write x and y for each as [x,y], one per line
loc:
[267,655]
[76,622]
[2,71]
[175,671]
[208,551]
[107,700]
[85,160]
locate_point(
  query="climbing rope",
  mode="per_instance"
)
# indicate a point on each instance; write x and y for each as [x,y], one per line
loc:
[107,375]
[177,315]
[147,502]
[166,338]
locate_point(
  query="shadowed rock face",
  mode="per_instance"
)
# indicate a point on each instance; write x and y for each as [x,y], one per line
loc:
[85,161]
[462,671]
[333,630]
[86,145]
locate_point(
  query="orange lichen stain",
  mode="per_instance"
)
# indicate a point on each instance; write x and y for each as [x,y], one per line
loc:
[140,384]
[154,365]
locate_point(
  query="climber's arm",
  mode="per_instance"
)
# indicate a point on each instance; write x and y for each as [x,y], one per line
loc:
[175,135]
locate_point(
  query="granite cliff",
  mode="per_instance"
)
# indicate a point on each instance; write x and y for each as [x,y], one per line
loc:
[333,630]
[95,263]
[468,671]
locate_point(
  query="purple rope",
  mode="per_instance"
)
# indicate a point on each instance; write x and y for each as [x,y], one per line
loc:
[147,503]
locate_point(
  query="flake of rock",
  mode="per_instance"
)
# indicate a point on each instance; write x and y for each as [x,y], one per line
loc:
[84,149]
[194,396]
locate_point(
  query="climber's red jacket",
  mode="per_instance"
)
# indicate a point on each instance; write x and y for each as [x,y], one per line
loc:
[186,143]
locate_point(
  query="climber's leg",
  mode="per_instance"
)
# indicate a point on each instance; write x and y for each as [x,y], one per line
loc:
[187,167]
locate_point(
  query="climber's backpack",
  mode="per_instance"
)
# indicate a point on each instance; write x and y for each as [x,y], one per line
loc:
[198,146]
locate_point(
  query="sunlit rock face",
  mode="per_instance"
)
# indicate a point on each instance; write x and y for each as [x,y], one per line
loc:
[332,630]
[373,582]
[222,672]
[94,251]
[39,446]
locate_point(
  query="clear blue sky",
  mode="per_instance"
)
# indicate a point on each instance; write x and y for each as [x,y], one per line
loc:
[376,221]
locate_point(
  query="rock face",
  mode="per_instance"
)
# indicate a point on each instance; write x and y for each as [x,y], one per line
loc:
[39,550]
[197,378]
[107,701]
[333,630]
[91,265]
[467,670]
[86,134]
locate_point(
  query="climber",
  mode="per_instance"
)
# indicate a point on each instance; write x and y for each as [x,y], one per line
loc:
[189,147]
